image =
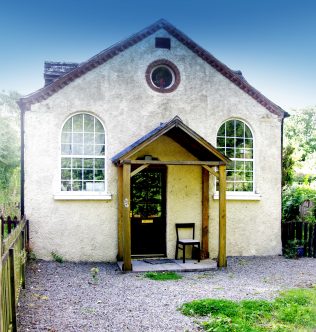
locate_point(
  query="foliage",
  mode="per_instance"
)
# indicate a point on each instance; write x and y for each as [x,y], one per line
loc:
[288,162]
[292,198]
[56,257]
[293,249]
[9,153]
[94,274]
[300,133]
[293,310]
[163,276]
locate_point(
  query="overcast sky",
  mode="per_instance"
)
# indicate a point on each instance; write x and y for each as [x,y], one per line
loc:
[273,42]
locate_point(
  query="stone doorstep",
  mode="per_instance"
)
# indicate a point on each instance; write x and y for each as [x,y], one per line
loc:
[189,266]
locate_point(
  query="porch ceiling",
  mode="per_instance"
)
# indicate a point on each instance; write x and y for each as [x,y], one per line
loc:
[182,135]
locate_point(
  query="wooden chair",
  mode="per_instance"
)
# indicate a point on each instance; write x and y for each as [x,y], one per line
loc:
[182,243]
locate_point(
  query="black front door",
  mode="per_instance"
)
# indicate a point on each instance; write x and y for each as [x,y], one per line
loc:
[148,212]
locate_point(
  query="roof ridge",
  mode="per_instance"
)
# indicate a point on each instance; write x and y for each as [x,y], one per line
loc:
[124,44]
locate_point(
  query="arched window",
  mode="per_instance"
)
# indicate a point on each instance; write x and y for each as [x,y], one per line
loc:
[83,154]
[235,140]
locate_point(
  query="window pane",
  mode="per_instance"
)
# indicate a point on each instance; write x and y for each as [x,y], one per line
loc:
[77,149]
[98,126]
[248,154]
[99,150]
[88,123]
[248,186]
[88,174]
[99,138]
[88,186]
[230,153]
[222,150]
[239,129]
[239,142]
[220,142]
[248,165]
[230,142]
[98,186]
[221,131]
[89,150]
[66,137]
[76,162]
[240,153]
[88,139]
[78,123]
[99,174]
[230,128]
[231,165]
[66,149]
[65,174]
[65,186]
[230,175]
[68,125]
[249,176]
[78,138]
[99,163]
[65,162]
[247,132]
[239,166]
[77,174]
[77,186]
[248,143]
[230,186]
[88,163]
[240,176]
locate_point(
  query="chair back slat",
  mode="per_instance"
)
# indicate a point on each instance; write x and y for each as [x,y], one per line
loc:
[185,225]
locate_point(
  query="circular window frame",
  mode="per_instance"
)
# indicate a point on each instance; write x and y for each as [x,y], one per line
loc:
[166,64]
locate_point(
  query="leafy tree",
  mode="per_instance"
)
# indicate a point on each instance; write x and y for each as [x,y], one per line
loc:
[9,152]
[288,162]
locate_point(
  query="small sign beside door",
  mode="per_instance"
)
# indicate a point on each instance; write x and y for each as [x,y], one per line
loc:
[147,221]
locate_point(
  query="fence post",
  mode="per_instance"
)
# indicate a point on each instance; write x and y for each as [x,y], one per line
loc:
[12,285]
[23,234]
[1,319]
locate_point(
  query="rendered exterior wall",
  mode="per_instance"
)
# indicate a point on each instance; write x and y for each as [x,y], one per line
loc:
[118,94]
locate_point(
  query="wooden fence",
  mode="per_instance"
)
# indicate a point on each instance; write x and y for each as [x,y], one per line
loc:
[303,232]
[12,268]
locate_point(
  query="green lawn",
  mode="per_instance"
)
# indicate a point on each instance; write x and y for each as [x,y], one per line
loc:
[163,276]
[293,310]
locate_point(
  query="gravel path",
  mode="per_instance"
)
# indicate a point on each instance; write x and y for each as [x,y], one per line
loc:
[62,297]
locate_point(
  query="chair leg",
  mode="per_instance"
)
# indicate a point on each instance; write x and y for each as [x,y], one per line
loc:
[199,253]
[176,252]
[183,258]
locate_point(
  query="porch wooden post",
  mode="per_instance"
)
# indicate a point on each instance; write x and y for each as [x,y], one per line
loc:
[120,213]
[127,261]
[205,212]
[222,261]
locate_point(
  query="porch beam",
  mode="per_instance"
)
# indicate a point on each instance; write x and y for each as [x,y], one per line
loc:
[127,261]
[173,162]
[222,261]
[120,213]
[205,212]
[139,169]
[210,170]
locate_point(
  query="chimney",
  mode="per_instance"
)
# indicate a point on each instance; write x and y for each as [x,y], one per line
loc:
[53,70]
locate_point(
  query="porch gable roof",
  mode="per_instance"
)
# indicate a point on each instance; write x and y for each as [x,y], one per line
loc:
[181,134]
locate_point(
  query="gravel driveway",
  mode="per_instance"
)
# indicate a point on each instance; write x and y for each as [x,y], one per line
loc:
[62,297]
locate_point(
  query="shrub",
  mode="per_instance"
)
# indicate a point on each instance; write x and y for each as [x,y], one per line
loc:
[292,198]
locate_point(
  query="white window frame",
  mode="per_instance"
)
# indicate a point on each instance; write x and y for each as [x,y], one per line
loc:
[242,195]
[82,195]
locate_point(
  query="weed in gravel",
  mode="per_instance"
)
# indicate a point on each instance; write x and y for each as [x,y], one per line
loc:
[56,257]
[95,274]
[163,276]
[293,310]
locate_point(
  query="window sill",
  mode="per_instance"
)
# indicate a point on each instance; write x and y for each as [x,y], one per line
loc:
[82,196]
[239,196]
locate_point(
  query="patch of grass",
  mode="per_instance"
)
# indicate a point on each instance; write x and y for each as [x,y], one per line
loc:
[293,310]
[162,276]
[56,257]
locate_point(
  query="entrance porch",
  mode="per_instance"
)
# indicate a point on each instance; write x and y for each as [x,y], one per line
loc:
[197,154]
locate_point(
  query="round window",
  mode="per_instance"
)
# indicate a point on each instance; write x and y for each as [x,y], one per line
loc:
[163,76]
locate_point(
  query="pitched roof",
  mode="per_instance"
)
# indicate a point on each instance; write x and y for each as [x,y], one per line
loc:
[112,51]
[181,134]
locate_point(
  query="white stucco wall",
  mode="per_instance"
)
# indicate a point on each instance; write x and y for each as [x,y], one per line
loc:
[118,94]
